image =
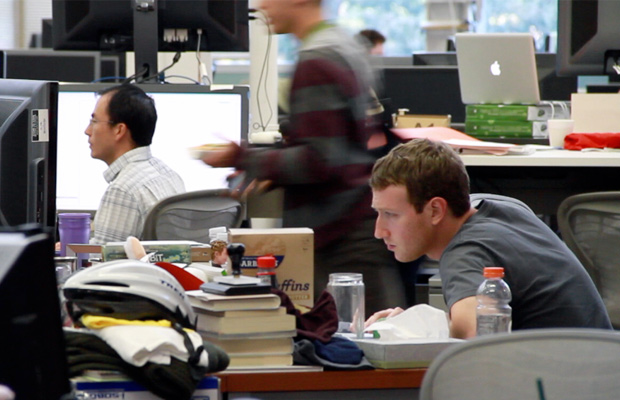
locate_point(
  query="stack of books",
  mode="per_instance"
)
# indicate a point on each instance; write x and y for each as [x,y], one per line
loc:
[489,121]
[254,330]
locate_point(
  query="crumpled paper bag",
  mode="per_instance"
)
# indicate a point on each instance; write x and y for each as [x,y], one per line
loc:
[419,321]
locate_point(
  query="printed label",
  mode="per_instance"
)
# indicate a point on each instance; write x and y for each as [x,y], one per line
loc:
[40,125]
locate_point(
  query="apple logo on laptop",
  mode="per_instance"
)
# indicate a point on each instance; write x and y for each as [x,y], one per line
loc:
[496,70]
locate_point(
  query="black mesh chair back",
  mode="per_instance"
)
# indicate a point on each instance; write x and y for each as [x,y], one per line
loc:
[590,227]
[189,216]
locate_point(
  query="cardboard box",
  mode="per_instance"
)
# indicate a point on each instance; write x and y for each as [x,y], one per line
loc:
[596,112]
[173,251]
[119,388]
[422,120]
[198,253]
[293,249]
[412,353]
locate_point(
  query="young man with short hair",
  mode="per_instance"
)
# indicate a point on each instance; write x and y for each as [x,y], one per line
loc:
[421,194]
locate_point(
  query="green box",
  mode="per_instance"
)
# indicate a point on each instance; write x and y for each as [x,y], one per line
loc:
[518,112]
[499,128]
[169,251]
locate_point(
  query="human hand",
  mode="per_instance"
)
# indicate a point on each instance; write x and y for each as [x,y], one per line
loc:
[222,158]
[390,312]
[255,186]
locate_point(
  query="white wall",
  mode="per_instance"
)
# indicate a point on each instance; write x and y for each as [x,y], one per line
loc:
[19,19]
[7,25]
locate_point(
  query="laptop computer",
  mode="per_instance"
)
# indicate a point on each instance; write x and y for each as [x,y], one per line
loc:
[497,68]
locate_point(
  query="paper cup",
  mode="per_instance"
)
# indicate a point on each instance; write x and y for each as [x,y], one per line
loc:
[558,129]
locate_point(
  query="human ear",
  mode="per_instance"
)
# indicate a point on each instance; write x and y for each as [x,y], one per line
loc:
[437,207]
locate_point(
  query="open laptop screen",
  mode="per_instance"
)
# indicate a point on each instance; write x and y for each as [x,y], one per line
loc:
[497,68]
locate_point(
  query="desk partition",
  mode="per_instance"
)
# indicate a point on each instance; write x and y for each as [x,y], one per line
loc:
[543,179]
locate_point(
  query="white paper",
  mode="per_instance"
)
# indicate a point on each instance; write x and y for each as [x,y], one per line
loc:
[419,321]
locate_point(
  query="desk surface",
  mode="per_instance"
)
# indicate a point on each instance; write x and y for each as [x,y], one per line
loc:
[321,381]
[548,158]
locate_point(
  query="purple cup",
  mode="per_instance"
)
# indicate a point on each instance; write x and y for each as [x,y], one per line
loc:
[74,228]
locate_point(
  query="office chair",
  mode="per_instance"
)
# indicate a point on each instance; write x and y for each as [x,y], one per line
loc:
[590,227]
[562,364]
[189,216]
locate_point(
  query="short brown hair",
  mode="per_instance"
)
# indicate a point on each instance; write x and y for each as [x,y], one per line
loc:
[373,36]
[217,246]
[427,169]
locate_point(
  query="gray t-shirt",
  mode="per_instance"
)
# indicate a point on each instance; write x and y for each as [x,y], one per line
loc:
[550,288]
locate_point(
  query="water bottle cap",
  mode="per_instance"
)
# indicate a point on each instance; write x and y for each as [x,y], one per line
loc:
[493,272]
[267,261]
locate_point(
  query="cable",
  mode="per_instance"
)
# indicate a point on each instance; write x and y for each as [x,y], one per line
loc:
[142,72]
[203,75]
[109,78]
[175,60]
[182,77]
[264,73]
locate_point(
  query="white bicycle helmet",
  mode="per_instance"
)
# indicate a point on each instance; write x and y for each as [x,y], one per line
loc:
[128,289]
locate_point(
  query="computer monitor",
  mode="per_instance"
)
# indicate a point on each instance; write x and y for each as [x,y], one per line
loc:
[188,116]
[424,90]
[33,360]
[39,64]
[434,58]
[588,33]
[28,118]
[552,86]
[173,25]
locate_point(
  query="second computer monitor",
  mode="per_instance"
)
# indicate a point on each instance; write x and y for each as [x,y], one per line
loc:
[188,116]
[424,90]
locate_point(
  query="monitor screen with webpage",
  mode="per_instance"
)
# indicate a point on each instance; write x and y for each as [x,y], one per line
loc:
[188,116]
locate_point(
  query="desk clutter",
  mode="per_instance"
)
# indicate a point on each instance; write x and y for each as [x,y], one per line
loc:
[254,330]
[141,325]
[494,121]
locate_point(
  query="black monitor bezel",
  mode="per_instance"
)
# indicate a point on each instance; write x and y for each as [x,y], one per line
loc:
[585,41]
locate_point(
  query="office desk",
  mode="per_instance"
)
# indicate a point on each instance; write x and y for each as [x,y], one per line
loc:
[543,179]
[359,385]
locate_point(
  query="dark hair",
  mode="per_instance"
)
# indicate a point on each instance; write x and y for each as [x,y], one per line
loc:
[427,169]
[132,106]
[373,36]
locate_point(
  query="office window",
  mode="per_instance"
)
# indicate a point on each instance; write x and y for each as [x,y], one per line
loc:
[401,21]
[398,20]
[539,17]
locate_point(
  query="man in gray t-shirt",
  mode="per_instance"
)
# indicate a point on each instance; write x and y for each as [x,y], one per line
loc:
[421,193]
[550,287]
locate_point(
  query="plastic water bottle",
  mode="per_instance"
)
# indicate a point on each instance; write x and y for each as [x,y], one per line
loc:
[493,314]
[267,270]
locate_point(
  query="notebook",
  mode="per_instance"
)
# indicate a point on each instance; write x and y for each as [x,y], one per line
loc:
[497,68]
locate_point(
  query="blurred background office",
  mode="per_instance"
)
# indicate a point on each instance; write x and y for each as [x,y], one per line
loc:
[410,25]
